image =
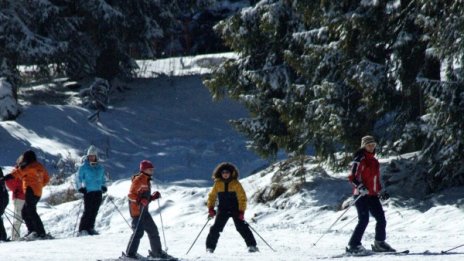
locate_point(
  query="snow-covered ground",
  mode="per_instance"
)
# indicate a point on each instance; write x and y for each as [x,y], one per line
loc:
[291,231]
[175,124]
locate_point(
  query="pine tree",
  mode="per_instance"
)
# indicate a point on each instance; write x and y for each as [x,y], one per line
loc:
[325,73]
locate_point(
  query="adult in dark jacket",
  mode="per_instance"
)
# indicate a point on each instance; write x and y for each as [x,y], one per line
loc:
[365,177]
[232,204]
[90,180]
[3,204]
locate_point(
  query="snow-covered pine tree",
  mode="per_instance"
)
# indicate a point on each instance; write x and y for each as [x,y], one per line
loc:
[443,85]
[310,73]
[333,71]
[260,78]
[25,36]
[9,108]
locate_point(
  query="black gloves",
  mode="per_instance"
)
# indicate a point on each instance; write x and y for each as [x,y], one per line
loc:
[104,189]
[383,195]
[83,190]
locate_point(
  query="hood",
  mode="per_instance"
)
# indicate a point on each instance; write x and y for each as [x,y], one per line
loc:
[225,165]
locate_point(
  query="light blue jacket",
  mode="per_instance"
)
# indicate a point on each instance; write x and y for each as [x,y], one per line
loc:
[90,177]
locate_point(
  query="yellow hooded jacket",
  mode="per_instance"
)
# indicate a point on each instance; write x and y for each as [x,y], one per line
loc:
[232,197]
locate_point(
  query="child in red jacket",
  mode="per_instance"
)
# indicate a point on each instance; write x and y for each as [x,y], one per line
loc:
[18,197]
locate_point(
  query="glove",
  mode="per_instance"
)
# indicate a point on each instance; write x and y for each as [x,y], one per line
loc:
[362,190]
[83,190]
[144,202]
[241,215]
[384,195]
[104,189]
[156,195]
[211,212]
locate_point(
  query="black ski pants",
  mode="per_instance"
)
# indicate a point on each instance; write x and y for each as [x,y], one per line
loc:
[3,205]
[364,206]
[92,202]
[218,226]
[30,215]
[148,225]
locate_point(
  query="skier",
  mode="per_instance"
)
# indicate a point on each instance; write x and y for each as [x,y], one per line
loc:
[34,177]
[232,204]
[139,198]
[365,177]
[18,197]
[3,204]
[90,181]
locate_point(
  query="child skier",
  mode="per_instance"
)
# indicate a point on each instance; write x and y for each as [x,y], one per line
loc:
[90,180]
[18,197]
[365,177]
[232,204]
[139,198]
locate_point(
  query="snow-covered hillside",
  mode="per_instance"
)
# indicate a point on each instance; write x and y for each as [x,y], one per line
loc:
[170,120]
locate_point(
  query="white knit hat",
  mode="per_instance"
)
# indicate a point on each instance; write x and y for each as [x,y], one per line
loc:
[92,151]
[367,140]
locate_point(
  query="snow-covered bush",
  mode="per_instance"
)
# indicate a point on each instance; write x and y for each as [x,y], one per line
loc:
[9,108]
[97,96]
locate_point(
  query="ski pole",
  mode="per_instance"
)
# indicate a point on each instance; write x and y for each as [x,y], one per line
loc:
[209,218]
[78,214]
[14,215]
[446,251]
[344,212]
[259,236]
[127,222]
[351,220]
[11,223]
[162,226]
[136,228]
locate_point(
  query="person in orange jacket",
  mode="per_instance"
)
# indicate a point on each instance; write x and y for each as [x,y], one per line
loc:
[232,204]
[139,198]
[34,177]
[18,197]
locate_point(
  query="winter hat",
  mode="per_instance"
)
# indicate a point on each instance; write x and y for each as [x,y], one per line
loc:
[367,140]
[29,156]
[146,164]
[92,150]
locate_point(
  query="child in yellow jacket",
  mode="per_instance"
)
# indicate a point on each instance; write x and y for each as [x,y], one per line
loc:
[232,204]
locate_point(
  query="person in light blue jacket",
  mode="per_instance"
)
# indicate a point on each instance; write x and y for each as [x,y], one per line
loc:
[90,181]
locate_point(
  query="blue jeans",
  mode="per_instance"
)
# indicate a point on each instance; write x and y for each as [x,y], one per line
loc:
[364,206]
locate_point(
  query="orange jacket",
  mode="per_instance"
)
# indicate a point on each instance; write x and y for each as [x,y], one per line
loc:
[140,188]
[34,176]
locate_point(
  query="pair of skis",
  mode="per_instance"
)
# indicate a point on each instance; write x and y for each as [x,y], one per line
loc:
[371,253]
[398,253]
[123,257]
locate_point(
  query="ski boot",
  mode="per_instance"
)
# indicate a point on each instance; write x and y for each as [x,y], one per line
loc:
[382,246]
[253,249]
[358,250]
